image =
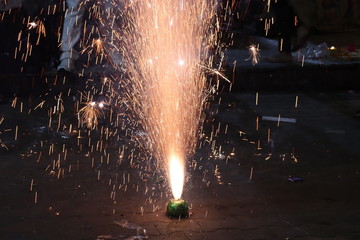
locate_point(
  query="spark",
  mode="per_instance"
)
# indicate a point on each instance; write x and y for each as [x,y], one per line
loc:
[40,105]
[251,173]
[296,101]
[32,25]
[254,52]
[90,114]
[3,145]
[216,72]
[98,46]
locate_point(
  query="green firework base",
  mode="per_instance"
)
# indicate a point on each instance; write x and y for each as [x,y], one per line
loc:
[177,208]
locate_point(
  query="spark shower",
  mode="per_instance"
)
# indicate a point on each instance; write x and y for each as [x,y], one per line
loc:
[167,48]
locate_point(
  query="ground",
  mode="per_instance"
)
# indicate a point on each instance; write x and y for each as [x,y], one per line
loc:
[226,201]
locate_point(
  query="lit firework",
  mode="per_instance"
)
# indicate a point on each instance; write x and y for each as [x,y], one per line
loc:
[164,44]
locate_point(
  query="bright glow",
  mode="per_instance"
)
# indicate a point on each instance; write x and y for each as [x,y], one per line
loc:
[32,25]
[181,62]
[176,172]
[254,54]
[98,45]
[89,114]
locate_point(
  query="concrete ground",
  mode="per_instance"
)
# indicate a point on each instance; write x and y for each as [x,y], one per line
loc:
[242,193]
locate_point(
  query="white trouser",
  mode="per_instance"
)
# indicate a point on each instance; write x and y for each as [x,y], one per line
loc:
[73,21]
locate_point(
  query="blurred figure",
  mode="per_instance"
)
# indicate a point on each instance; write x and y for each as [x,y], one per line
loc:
[319,15]
[285,22]
[73,22]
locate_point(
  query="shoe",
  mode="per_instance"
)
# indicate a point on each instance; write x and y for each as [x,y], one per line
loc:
[66,64]
[281,57]
[66,71]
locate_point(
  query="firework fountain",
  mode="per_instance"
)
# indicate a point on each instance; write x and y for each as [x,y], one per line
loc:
[167,48]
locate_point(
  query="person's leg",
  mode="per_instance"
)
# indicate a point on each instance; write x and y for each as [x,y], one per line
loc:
[302,33]
[285,20]
[71,32]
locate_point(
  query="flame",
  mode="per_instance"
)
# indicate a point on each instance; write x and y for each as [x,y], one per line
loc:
[176,172]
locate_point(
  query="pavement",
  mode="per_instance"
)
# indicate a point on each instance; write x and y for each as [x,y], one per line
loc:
[242,193]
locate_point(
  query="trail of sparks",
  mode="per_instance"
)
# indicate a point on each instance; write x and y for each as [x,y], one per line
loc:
[164,45]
